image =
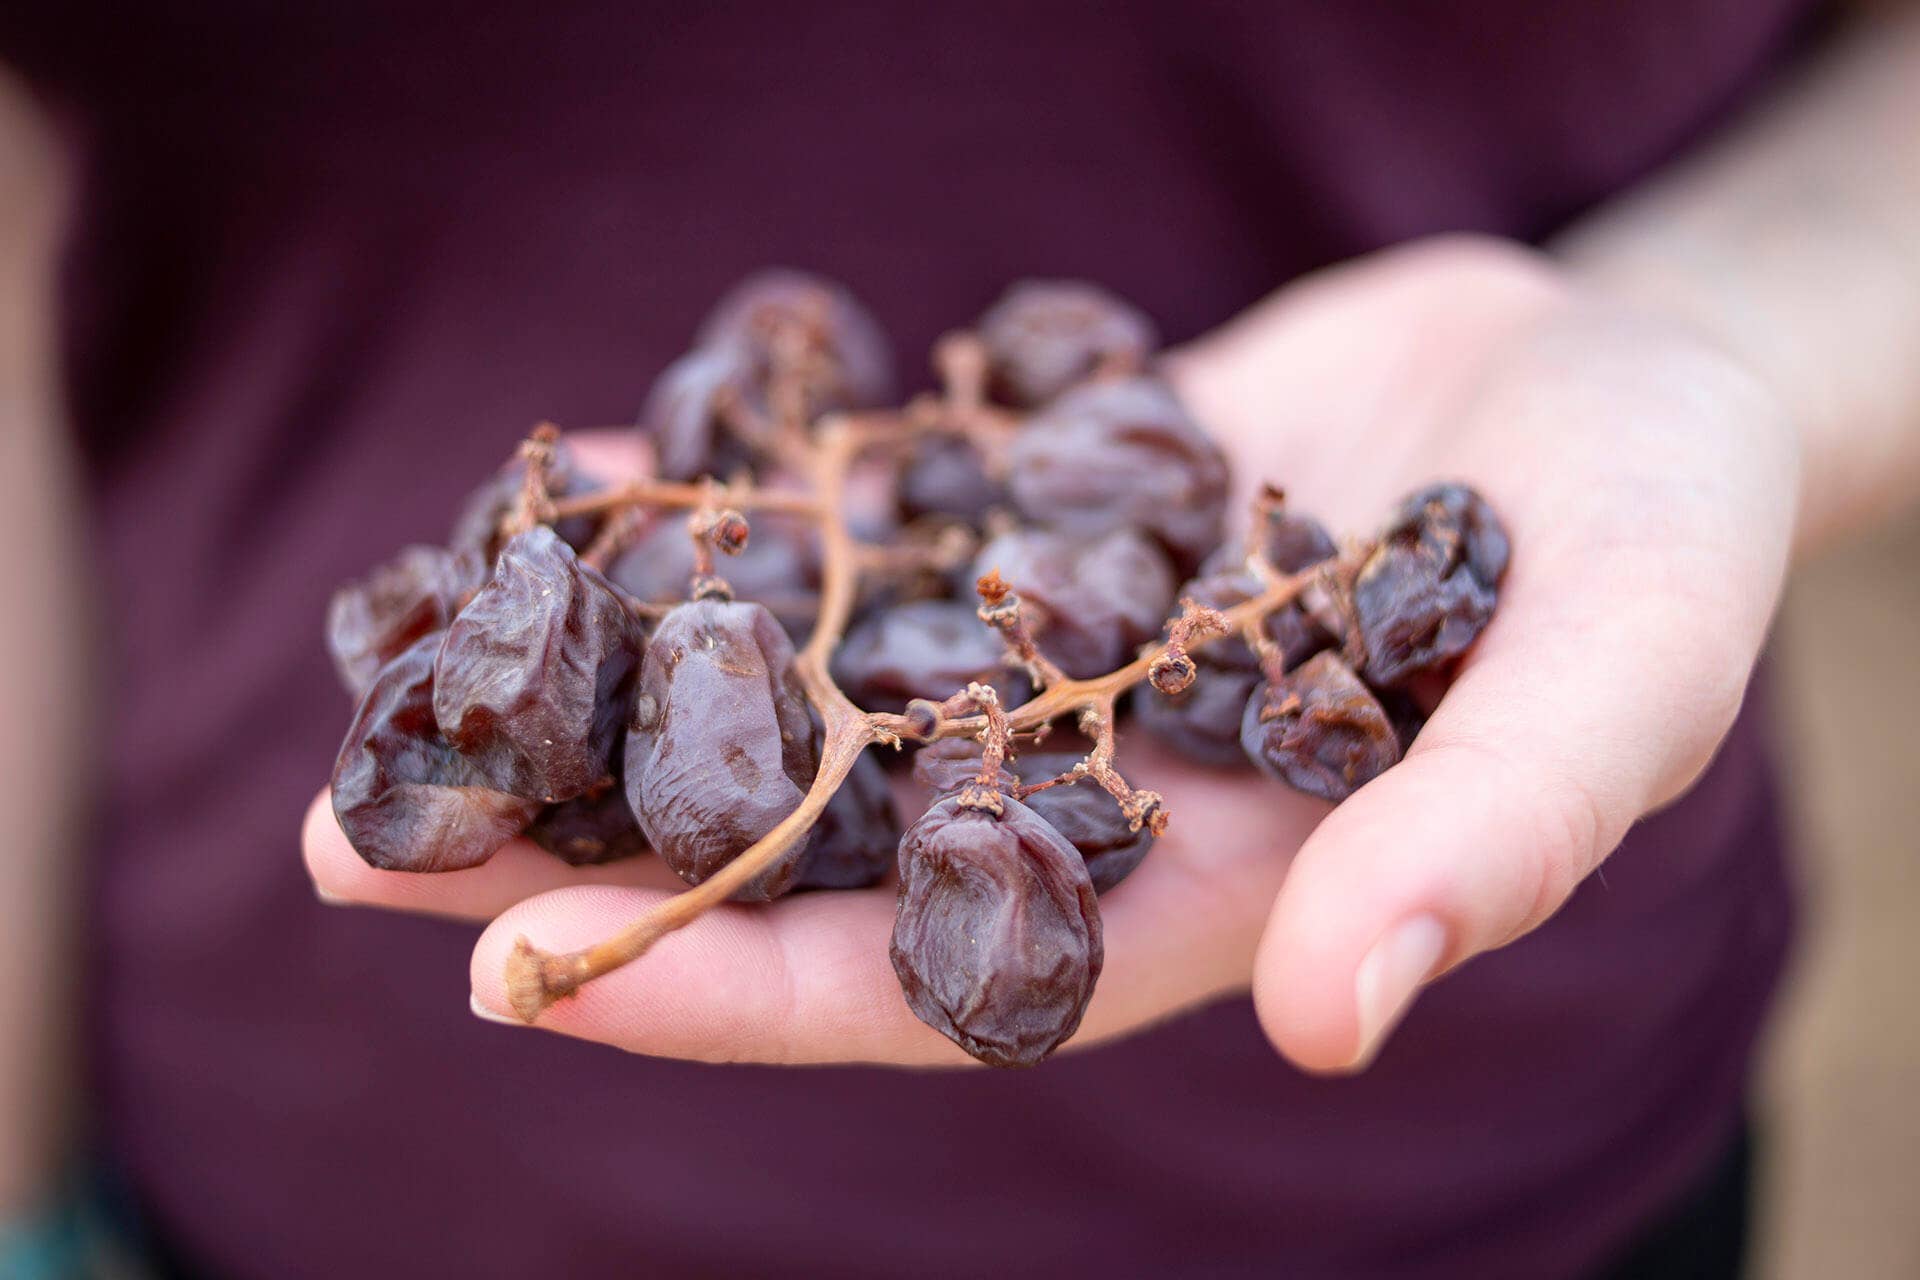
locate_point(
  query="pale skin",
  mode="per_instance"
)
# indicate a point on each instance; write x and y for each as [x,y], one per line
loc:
[1702,381]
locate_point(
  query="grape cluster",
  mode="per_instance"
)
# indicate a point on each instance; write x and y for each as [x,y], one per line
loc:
[609,666]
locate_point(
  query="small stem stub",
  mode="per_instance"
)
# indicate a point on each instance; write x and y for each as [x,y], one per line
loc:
[996,740]
[1173,670]
[1000,609]
[539,451]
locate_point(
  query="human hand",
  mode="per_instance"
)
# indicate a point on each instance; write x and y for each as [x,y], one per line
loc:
[1648,484]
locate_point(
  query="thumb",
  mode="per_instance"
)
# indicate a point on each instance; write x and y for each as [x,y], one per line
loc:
[1601,689]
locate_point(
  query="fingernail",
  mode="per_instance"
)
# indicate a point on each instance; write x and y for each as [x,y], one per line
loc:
[1390,975]
[485,1014]
[329,898]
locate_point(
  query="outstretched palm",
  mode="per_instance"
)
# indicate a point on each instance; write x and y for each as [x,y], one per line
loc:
[1647,483]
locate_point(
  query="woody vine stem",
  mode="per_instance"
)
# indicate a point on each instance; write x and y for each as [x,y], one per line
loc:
[536,978]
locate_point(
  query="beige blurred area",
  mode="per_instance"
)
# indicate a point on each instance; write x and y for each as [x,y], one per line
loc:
[1840,1190]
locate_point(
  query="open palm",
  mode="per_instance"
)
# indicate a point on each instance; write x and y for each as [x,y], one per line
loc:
[1647,482]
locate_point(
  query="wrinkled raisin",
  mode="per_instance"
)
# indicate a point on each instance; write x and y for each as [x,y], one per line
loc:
[1090,601]
[855,842]
[1429,588]
[589,829]
[1319,730]
[997,937]
[1045,336]
[405,798]
[372,621]
[921,649]
[1122,454]
[478,527]
[1088,818]
[721,746]
[537,672]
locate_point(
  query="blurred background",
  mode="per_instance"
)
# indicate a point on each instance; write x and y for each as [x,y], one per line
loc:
[1840,1194]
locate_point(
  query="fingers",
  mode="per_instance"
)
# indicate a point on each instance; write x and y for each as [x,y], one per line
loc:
[808,979]
[518,871]
[1629,623]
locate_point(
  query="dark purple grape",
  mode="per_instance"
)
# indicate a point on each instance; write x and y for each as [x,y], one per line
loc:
[1202,722]
[684,418]
[997,938]
[1118,454]
[1044,336]
[856,362]
[780,568]
[922,649]
[536,676]
[478,528]
[946,476]
[854,843]
[1319,730]
[1087,817]
[722,743]
[1292,542]
[405,798]
[372,621]
[590,829]
[1429,588]
[947,766]
[1090,601]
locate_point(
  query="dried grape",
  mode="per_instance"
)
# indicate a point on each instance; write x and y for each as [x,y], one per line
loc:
[997,937]
[478,527]
[1429,588]
[854,843]
[1319,730]
[921,649]
[853,362]
[589,829]
[405,798]
[537,672]
[1123,454]
[1091,601]
[1045,336]
[721,746]
[374,620]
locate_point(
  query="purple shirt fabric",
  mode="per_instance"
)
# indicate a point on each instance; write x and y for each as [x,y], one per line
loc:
[334,259]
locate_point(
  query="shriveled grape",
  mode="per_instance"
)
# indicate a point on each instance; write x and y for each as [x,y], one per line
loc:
[944,767]
[721,745]
[1120,454]
[405,798]
[1087,817]
[1045,336]
[946,476]
[851,362]
[374,620]
[1319,730]
[997,938]
[855,842]
[1090,601]
[1430,587]
[1203,720]
[589,829]
[685,412]
[537,672]
[922,649]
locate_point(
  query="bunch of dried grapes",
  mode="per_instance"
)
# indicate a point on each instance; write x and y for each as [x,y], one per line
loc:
[607,665]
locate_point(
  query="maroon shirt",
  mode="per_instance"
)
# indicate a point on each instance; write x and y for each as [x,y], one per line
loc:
[335,258]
